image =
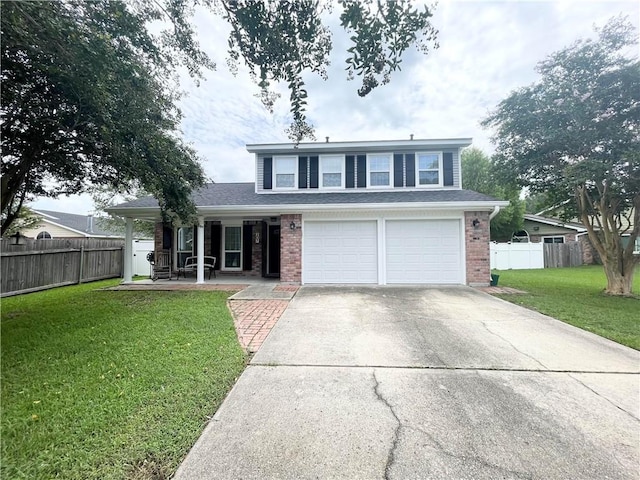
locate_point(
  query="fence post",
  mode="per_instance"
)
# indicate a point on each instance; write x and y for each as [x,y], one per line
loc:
[81,264]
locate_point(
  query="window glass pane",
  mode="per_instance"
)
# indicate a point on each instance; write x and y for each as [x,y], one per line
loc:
[428,177]
[232,259]
[379,178]
[332,164]
[331,180]
[185,239]
[377,164]
[287,180]
[232,238]
[285,165]
[428,162]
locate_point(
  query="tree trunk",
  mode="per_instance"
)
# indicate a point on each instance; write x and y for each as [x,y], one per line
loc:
[619,280]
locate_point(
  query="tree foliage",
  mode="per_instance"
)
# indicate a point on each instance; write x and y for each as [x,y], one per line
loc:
[576,134]
[280,40]
[89,92]
[85,102]
[479,174]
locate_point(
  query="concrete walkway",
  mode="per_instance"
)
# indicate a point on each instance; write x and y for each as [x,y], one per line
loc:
[395,383]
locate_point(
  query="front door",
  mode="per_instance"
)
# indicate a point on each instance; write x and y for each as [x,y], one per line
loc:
[273,251]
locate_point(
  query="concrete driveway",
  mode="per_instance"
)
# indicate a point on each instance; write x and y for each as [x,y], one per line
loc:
[401,382]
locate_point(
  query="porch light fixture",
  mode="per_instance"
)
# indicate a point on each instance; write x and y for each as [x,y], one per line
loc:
[475,223]
[18,239]
[292,225]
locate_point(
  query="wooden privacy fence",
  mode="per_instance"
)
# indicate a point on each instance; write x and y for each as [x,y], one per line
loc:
[562,254]
[42,264]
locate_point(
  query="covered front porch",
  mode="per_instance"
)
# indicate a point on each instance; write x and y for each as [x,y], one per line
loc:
[244,248]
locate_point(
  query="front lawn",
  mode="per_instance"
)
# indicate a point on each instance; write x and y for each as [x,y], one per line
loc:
[575,296]
[111,384]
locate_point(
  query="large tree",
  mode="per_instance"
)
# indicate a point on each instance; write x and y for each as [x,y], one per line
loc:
[575,134]
[479,174]
[89,91]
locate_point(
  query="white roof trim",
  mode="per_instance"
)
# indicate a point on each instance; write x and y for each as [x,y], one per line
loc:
[324,146]
[222,210]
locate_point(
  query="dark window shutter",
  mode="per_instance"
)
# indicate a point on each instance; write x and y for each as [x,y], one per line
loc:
[350,171]
[410,159]
[167,237]
[362,171]
[194,245]
[313,172]
[447,168]
[267,173]
[247,244]
[216,237]
[398,160]
[302,172]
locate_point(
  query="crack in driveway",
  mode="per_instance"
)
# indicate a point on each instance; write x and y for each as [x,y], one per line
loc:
[486,327]
[396,434]
[467,458]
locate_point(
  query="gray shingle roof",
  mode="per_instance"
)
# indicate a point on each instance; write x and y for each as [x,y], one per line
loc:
[78,222]
[230,194]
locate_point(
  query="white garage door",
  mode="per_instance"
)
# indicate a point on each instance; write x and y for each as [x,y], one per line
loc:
[340,252]
[423,251]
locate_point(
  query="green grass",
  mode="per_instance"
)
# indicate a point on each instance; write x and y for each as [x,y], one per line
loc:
[575,296]
[111,384]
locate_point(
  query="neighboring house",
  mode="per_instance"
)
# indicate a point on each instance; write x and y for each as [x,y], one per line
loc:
[377,212]
[550,230]
[68,225]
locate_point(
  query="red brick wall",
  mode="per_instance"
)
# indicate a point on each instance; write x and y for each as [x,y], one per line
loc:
[477,246]
[158,237]
[256,251]
[290,249]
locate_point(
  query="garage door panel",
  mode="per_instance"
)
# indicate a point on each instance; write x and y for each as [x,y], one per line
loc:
[423,251]
[340,252]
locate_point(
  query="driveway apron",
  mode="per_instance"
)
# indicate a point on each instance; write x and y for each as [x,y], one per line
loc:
[407,382]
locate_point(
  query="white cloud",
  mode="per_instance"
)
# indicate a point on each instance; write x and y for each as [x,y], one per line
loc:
[487,49]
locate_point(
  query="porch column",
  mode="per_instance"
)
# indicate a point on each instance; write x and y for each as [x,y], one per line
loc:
[200,254]
[128,251]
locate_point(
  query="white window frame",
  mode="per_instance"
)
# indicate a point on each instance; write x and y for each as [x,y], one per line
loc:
[552,237]
[440,170]
[184,253]
[224,249]
[275,172]
[321,172]
[390,157]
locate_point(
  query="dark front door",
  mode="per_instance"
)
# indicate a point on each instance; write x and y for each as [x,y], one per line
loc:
[273,249]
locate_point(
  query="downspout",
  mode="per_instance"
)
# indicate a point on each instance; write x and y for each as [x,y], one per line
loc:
[495,212]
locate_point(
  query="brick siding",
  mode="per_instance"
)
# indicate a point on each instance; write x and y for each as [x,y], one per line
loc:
[290,249]
[477,246]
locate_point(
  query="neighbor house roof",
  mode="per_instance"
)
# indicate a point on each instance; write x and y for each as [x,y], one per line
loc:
[82,224]
[578,227]
[241,196]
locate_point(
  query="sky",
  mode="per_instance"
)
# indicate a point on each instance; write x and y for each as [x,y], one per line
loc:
[487,49]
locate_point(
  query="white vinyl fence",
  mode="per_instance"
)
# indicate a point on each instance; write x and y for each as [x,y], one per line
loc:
[140,250]
[506,256]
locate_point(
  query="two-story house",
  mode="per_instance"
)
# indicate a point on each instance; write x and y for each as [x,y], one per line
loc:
[374,212]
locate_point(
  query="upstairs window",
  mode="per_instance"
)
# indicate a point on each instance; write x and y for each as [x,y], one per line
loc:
[285,171]
[429,166]
[44,236]
[379,167]
[331,171]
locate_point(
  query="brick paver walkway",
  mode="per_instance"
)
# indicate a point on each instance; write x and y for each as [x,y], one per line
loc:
[254,319]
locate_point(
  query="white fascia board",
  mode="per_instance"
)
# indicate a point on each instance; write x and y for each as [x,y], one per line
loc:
[357,146]
[274,210]
[44,215]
